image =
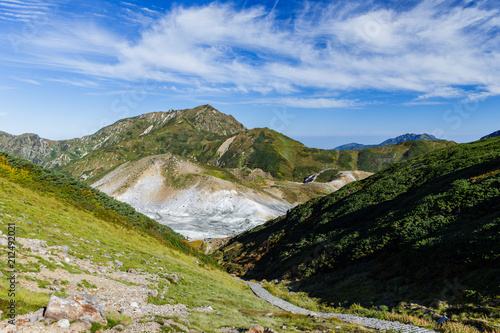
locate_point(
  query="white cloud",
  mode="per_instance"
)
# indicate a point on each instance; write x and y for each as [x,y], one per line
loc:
[310,103]
[419,102]
[482,95]
[77,83]
[445,92]
[24,11]
[30,81]
[3,114]
[431,49]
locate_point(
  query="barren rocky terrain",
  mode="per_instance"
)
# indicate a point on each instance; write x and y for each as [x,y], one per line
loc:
[122,292]
[200,203]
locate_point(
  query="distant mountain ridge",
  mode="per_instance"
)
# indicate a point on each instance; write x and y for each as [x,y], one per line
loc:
[393,141]
[54,154]
[491,135]
[215,156]
[204,135]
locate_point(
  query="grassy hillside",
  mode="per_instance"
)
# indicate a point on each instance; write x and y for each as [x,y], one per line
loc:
[86,198]
[268,150]
[289,159]
[277,154]
[61,212]
[425,229]
[192,133]
[376,159]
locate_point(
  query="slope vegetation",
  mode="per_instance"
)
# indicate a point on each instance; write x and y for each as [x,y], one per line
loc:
[289,159]
[262,148]
[81,195]
[379,158]
[405,233]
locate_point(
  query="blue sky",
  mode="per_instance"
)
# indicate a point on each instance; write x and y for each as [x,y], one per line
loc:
[323,72]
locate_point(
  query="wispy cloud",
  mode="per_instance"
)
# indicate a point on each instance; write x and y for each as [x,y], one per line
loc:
[310,103]
[432,50]
[139,15]
[420,102]
[30,81]
[140,92]
[445,92]
[24,11]
[78,83]
[3,114]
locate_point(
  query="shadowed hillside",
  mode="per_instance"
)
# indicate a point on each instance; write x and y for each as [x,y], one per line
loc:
[403,233]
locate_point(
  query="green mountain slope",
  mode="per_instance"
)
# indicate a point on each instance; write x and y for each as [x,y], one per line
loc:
[266,149]
[403,233]
[289,159]
[276,153]
[82,196]
[72,239]
[376,159]
[263,148]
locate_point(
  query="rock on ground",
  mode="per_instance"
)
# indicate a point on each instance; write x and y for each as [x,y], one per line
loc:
[76,307]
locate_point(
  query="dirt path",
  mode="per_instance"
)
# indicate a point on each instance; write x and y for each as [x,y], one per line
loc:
[207,251]
[377,324]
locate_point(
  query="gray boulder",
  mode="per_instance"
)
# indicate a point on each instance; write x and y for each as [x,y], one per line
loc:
[75,308]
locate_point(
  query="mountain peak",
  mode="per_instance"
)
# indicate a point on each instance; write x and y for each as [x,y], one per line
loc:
[491,135]
[392,141]
[199,120]
[409,137]
[203,118]
[208,119]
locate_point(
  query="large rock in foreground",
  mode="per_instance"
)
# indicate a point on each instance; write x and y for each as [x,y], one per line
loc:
[75,308]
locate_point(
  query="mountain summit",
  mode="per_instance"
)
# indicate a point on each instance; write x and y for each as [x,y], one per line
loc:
[207,118]
[393,141]
[491,135]
[52,154]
